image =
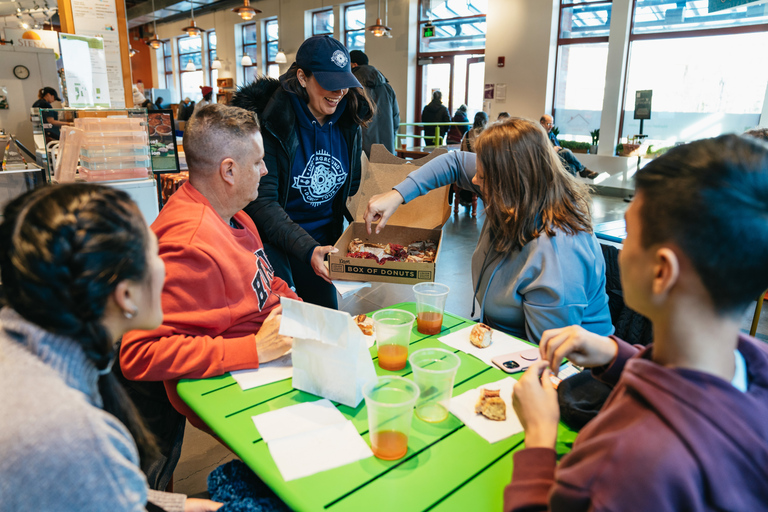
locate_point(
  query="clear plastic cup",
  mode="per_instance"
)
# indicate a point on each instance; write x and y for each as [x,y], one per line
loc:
[430,305]
[434,370]
[392,328]
[389,401]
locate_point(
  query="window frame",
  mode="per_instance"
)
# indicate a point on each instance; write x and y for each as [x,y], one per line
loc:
[211,52]
[315,14]
[246,45]
[267,62]
[346,29]
[167,59]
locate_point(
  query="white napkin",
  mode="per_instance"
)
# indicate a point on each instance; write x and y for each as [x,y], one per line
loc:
[267,373]
[307,438]
[347,288]
[463,407]
[502,343]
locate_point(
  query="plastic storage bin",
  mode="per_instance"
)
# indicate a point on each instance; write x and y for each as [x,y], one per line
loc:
[110,124]
[103,150]
[114,162]
[121,137]
[114,175]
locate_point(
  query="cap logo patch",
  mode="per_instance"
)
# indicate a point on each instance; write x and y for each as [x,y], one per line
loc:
[339,58]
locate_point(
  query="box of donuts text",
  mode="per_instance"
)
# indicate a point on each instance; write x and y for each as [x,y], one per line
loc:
[408,248]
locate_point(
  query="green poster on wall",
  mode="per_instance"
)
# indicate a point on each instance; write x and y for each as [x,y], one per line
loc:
[719,5]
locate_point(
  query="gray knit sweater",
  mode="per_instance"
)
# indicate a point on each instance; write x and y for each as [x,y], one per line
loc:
[59,450]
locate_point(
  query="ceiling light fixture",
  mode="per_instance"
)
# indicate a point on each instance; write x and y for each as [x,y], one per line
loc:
[246,61]
[190,66]
[154,42]
[132,51]
[216,64]
[280,58]
[379,29]
[245,11]
[192,30]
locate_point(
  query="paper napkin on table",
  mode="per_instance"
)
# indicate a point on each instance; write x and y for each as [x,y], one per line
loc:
[267,373]
[501,344]
[463,407]
[307,438]
[347,288]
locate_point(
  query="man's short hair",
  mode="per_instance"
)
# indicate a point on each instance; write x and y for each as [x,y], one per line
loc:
[504,115]
[543,119]
[710,198]
[358,57]
[216,132]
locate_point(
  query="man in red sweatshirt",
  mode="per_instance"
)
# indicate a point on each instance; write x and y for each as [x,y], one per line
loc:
[685,427]
[221,300]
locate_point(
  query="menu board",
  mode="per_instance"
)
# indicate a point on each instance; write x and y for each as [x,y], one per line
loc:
[98,18]
[85,71]
[162,141]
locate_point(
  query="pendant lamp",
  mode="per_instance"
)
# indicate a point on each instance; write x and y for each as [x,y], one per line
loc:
[192,30]
[246,60]
[190,66]
[280,57]
[379,29]
[154,42]
[245,11]
[216,64]
[132,52]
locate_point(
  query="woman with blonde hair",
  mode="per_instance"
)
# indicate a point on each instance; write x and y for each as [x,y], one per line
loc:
[537,264]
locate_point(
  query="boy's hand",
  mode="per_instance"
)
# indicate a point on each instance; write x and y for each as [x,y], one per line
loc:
[577,344]
[534,398]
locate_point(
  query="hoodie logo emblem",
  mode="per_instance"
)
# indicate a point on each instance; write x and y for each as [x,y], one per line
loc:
[339,58]
[322,177]
[262,281]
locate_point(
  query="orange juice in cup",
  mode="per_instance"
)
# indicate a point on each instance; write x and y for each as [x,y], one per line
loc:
[389,402]
[392,328]
[430,304]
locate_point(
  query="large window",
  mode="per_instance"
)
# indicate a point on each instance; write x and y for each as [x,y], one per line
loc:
[250,48]
[167,65]
[354,27]
[452,60]
[191,51]
[271,37]
[582,57]
[213,74]
[703,68]
[322,23]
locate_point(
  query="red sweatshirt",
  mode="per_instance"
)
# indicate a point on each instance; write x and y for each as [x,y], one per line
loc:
[219,289]
[667,439]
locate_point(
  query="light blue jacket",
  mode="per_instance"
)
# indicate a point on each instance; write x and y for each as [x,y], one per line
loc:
[551,282]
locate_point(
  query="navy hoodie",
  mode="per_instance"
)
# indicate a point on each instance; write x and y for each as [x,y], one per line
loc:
[320,168]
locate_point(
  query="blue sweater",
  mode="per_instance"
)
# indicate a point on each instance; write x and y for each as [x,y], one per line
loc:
[550,282]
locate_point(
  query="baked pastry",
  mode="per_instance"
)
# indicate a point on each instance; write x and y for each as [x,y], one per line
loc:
[480,336]
[416,252]
[365,324]
[491,405]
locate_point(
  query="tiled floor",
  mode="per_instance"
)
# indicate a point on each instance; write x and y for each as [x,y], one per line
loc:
[201,453]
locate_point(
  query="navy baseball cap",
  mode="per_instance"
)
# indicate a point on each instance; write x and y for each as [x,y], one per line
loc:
[328,60]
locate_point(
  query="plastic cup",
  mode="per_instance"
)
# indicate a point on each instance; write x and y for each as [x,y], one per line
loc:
[434,370]
[430,305]
[392,328]
[389,401]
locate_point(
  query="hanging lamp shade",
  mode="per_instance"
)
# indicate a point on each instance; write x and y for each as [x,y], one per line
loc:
[280,57]
[132,52]
[245,11]
[246,61]
[154,42]
[216,64]
[379,29]
[190,66]
[192,30]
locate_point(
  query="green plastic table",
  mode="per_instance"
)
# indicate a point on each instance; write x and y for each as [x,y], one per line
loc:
[448,466]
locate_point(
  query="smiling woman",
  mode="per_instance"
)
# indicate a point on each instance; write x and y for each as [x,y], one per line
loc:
[311,123]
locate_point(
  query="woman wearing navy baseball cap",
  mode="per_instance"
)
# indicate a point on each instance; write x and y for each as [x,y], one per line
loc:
[310,122]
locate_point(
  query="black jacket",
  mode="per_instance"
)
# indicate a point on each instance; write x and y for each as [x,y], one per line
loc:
[271,103]
[435,112]
[386,121]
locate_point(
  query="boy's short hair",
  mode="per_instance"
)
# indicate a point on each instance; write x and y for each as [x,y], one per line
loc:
[710,198]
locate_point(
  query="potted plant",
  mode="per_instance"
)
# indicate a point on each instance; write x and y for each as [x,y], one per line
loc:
[595,134]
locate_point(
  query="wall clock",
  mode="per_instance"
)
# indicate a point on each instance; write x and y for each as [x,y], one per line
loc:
[21,72]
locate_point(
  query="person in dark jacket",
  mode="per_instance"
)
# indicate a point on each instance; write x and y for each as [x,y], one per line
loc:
[46,96]
[435,112]
[386,120]
[456,133]
[311,124]
[684,428]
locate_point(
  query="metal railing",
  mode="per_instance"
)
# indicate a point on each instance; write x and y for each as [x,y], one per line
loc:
[437,139]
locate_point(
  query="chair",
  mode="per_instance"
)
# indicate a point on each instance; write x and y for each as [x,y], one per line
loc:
[456,191]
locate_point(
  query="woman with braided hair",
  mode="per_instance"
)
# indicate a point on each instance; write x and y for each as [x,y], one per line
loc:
[79,269]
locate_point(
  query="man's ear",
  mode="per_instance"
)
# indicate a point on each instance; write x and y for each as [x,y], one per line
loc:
[227,170]
[666,273]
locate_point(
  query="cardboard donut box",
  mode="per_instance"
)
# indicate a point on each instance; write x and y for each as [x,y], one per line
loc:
[420,220]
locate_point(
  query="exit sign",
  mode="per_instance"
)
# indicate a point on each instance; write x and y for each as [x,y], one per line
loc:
[428,31]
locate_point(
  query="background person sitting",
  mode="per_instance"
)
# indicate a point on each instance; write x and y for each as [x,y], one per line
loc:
[572,163]
[537,264]
[687,414]
[71,438]
[468,142]
[456,133]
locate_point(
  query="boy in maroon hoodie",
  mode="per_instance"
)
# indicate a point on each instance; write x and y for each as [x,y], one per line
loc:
[686,427]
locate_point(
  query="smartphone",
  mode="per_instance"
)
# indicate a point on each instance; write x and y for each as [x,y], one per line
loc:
[515,362]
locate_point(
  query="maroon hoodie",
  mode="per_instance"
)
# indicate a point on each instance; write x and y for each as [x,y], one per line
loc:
[667,439]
